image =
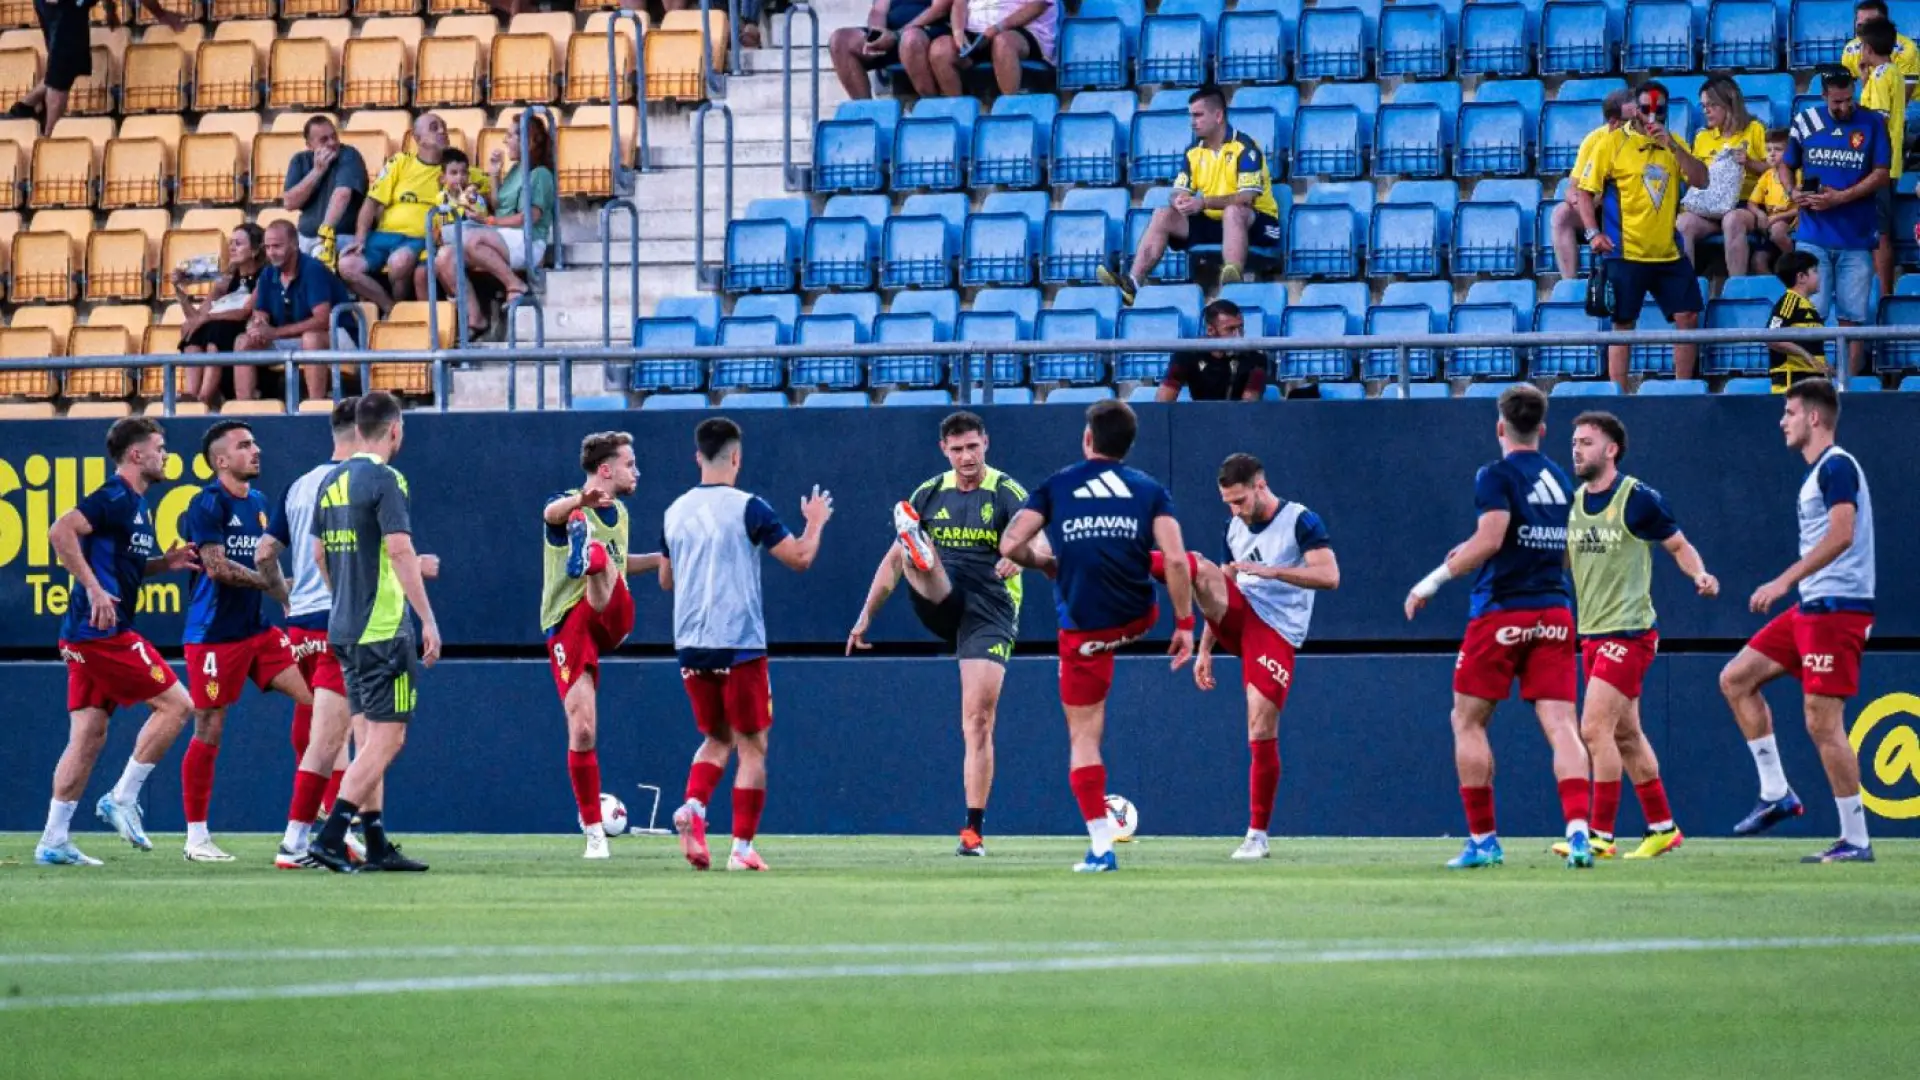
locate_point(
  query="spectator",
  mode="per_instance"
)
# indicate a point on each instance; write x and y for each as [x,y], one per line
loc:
[65,26]
[326,183]
[1843,156]
[1792,361]
[461,199]
[1637,171]
[1732,132]
[1003,32]
[1223,195]
[1883,88]
[897,32]
[1772,206]
[293,307]
[391,232]
[1905,55]
[506,242]
[746,11]
[1216,375]
[215,323]
[1617,109]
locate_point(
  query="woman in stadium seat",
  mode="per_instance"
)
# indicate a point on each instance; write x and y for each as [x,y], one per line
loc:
[1730,130]
[217,320]
[507,242]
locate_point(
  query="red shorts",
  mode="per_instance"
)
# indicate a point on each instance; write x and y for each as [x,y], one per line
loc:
[216,673]
[317,663]
[1086,659]
[124,669]
[1266,658]
[730,700]
[1534,646]
[1823,649]
[1620,662]
[575,647]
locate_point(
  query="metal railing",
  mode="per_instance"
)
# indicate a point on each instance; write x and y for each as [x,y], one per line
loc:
[798,176]
[708,276]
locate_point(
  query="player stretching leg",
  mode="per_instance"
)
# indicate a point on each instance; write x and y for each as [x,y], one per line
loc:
[586,560]
[1103,521]
[1614,521]
[107,543]
[720,632]
[227,638]
[962,590]
[1820,638]
[364,543]
[1518,627]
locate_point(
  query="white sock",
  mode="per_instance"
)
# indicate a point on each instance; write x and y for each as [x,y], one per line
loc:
[127,791]
[1578,825]
[1661,826]
[297,833]
[1853,821]
[1100,831]
[197,833]
[597,830]
[1257,834]
[1766,758]
[699,808]
[742,847]
[59,816]
[1481,837]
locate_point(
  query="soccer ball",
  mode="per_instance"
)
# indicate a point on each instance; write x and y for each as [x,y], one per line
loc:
[1125,818]
[613,815]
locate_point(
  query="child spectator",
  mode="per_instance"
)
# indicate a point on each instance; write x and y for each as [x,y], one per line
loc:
[1772,206]
[1800,273]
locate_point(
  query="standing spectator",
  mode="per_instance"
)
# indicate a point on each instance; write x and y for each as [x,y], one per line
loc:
[1223,195]
[1616,110]
[1843,156]
[1636,171]
[65,26]
[214,324]
[391,233]
[1772,206]
[1731,131]
[506,241]
[293,307]
[1906,56]
[1792,361]
[1216,374]
[326,183]
[1883,88]
[1001,32]
[897,32]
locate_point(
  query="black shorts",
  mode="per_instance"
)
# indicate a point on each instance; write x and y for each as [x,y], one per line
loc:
[892,56]
[1263,236]
[69,45]
[1883,203]
[977,628]
[382,678]
[1672,285]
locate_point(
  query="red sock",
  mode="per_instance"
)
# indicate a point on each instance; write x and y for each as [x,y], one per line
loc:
[1263,779]
[701,780]
[584,767]
[1606,805]
[1089,783]
[1479,804]
[307,789]
[747,804]
[332,794]
[1573,800]
[1653,801]
[1159,569]
[196,778]
[596,558]
[302,728]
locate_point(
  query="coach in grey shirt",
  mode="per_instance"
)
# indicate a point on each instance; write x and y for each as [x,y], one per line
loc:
[326,183]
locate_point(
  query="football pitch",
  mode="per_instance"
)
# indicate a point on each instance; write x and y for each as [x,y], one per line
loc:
[889,957]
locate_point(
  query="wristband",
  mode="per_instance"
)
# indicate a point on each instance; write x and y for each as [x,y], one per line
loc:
[1431,583]
[1183,622]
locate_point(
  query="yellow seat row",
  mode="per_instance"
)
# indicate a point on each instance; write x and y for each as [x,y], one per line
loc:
[20,13]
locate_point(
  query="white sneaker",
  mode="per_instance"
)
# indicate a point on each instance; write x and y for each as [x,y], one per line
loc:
[294,859]
[597,847]
[906,525]
[206,851]
[1253,847]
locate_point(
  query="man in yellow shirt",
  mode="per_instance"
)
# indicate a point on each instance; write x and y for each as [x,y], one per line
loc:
[1883,88]
[1634,176]
[392,231]
[1906,56]
[1617,109]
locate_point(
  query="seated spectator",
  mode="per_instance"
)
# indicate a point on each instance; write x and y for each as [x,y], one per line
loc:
[1003,33]
[1883,88]
[1224,196]
[293,308]
[215,323]
[390,234]
[462,198]
[1217,374]
[1616,110]
[897,32]
[1843,155]
[506,241]
[1800,273]
[326,183]
[1772,206]
[1730,137]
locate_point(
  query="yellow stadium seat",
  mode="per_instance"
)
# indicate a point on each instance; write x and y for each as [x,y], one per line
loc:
[273,151]
[28,342]
[47,254]
[180,408]
[675,71]
[377,133]
[494,136]
[584,146]
[191,240]
[453,61]
[27,410]
[162,339]
[122,257]
[252,408]
[587,61]
[190,10]
[229,70]
[277,213]
[66,166]
[57,318]
[139,163]
[93,95]
[303,70]
[214,159]
[99,382]
[18,13]
[133,318]
[377,64]
[225,10]
[10,159]
[406,329]
[23,54]
[221,221]
[526,59]
[21,133]
[415,312]
[363,9]
[463,129]
[313,9]
[96,410]
[315,407]
[457,7]
[158,69]
[9,224]
[598,7]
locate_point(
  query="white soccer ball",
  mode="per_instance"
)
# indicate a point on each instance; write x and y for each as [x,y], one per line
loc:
[613,815]
[1125,817]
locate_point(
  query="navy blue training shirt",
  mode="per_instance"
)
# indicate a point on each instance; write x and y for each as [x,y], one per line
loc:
[222,613]
[1529,571]
[117,549]
[1099,516]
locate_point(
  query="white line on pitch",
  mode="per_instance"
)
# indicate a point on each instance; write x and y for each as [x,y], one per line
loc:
[950,969]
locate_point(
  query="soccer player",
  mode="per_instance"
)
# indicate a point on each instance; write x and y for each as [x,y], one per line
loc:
[1257,608]
[585,608]
[1614,521]
[1103,520]
[107,543]
[963,590]
[364,544]
[228,640]
[1518,626]
[1820,638]
[720,633]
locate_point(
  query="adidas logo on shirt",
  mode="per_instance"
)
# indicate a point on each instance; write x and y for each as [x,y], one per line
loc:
[942,515]
[1105,486]
[1547,492]
[234,523]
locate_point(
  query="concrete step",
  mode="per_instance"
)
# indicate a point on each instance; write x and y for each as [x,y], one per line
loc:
[673,189]
[676,128]
[756,152]
[760,93]
[770,61]
[485,387]
[574,300]
[834,14]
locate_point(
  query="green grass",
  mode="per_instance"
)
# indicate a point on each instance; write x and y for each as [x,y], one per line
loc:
[1329,960]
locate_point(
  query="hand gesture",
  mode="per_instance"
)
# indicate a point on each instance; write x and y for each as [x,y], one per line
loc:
[1006,569]
[857,639]
[817,508]
[429,566]
[430,643]
[1602,244]
[350,246]
[323,157]
[1413,605]
[1203,671]
[1766,596]
[103,612]
[1259,570]
[497,160]
[182,557]
[1707,584]
[1187,203]
[592,499]
[1182,648]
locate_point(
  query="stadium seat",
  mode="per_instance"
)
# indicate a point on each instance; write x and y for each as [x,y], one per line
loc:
[1090,139]
[1566,361]
[1491,307]
[920,245]
[1174,266]
[1736,314]
[1159,312]
[842,319]
[915,318]
[841,244]
[677,322]
[1651,360]
[1769,96]
[1906,218]
[10,225]
[1416,40]
[1335,40]
[1407,231]
[138,168]
[1080,395]
[1746,386]
[377,65]
[1254,40]
[101,340]
[1158,145]
[930,144]
[1742,36]
[47,255]
[1262,305]
[850,151]
[1324,233]
[1265,114]
[98,93]
[747,399]
[1097,45]
[1314,317]
[230,70]
[1002,241]
[1891,356]
[1176,42]
[988,327]
[303,66]
[66,166]
[524,63]
[1672,388]
[844,399]
[121,259]
[585,146]
[676,68]
[1010,145]
[1563,124]
[586,61]
[451,63]
[158,71]
[479,7]
[1818,31]
[1415,131]
[23,55]
[761,320]
[1419,391]
[1660,36]
[658,402]
[1597,388]
[377,134]
[214,160]
[1406,307]
[1083,236]
[1077,314]
[272,152]
[1494,231]
[29,343]
[763,248]
[1577,37]
[1497,129]
[1498,38]
[1332,135]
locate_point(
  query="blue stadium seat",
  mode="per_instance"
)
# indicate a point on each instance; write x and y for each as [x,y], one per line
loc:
[920,245]
[1736,314]
[679,402]
[1499,38]
[1493,232]
[1096,47]
[1747,386]
[1566,361]
[601,403]
[1910,384]
[1185,300]
[764,247]
[1331,135]
[908,370]
[1497,129]
[1544,261]
[1742,36]
[1340,391]
[1266,299]
[1660,36]
[1563,124]
[1898,356]
[754,399]
[1598,388]
[1176,42]
[1407,231]
[1083,236]
[1672,388]
[1153,324]
[842,399]
[1254,41]
[1174,266]
[1324,310]
[1863,384]
[1490,389]
[760,320]
[1090,139]
[987,327]
[1080,395]
[1491,307]
[1335,40]
[1416,40]
[931,144]
[1412,140]
[1594,89]
[1157,148]
[676,322]
[1324,234]
[1072,324]
[1003,239]
[1420,391]
[1266,114]
[1023,304]
[1102,300]
[1819,30]
[1569,291]
[1906,215]
[1769,97]
[940,305]
[1651,360]
[850,151]
[842,242]
[1010,146]
[1768,288]
[1577,38]
[1406,308]
[837,319]
[917,397]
